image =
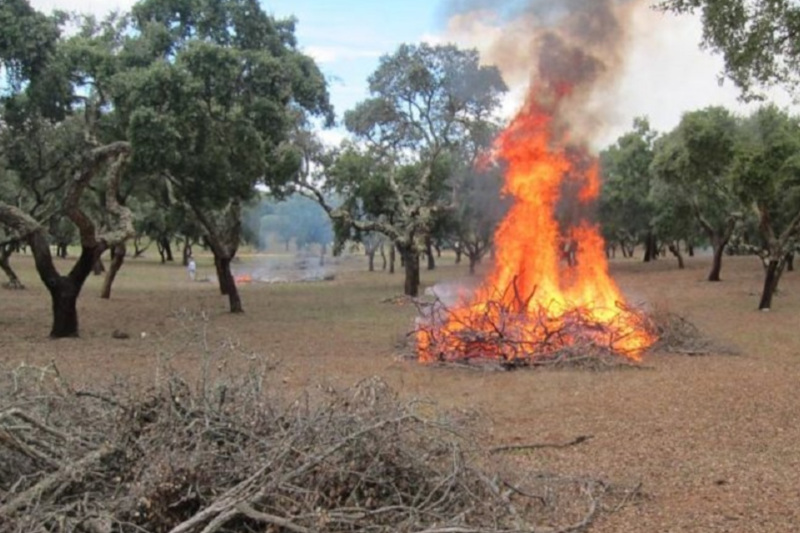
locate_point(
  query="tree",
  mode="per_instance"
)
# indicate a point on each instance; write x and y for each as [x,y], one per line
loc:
[767,178]
[425,102]
[625,205]
[696,160]
[757,39]
[673,219]
[213,91]
[55,147]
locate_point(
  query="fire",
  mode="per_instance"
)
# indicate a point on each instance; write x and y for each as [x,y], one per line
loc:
[533,303]
[243,278]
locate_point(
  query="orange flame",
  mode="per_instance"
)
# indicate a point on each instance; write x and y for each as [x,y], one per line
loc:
[530,251]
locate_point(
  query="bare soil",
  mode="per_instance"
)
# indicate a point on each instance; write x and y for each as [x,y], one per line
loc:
[713,440]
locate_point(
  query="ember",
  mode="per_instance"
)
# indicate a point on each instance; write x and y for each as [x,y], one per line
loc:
[549,290]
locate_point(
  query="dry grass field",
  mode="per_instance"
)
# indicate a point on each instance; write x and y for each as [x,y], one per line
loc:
[713,440]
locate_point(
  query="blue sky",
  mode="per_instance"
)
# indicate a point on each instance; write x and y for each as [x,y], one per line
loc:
[347,37]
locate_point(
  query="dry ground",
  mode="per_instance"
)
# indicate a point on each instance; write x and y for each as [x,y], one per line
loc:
[715,440]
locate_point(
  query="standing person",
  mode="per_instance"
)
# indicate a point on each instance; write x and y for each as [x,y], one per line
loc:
[192,267]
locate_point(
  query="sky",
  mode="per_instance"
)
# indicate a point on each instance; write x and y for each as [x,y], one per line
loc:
[666,73]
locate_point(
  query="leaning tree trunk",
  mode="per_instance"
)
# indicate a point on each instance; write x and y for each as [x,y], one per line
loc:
[227,284]
[98,267]
[674,247]
[411,264]
[716,265]
[5,265]
[117,258]
[771,279]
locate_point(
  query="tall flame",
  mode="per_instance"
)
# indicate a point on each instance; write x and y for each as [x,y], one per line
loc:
[531,292]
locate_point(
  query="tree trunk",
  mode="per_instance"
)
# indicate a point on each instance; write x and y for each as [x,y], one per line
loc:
[323,251]
[371,258]
[650,248]
[674,247]
[392,259]
[411,264]
[458,253]
[187,251]
[716,265]
[98,267]
[117,258]
[223,287]
[227,284]
[790,262]
[64,290]
[383,257]
[429,253]
[5,265]
[61,251]
[771,279]
[166,246]
[473,260]
[690,249]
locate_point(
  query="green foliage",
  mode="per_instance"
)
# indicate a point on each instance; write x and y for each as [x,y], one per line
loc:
[696,159]
[626,207]
[757,39]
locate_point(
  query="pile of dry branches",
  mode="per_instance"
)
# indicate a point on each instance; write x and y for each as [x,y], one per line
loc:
[235,456]
[507,332]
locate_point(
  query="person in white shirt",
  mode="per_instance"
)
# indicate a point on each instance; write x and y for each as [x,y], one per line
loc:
[192,267]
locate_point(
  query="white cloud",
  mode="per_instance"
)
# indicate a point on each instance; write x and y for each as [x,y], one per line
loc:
[333,53]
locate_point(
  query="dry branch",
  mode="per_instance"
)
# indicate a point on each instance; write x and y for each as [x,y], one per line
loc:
[228,455]
[538,445]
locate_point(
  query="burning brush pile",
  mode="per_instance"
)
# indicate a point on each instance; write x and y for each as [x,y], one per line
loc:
[549,297]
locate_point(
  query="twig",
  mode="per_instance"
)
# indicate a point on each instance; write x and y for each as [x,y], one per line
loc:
[538,445]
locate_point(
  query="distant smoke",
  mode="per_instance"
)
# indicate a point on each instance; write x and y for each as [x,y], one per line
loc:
[559,47]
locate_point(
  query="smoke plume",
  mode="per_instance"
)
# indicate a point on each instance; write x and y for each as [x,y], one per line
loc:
[569,53]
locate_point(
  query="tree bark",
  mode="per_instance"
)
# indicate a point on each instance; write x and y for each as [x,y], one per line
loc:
[429,253]
[227,284]
[650,248]
[166,249]
[117,258]
[790,262]
[771,279]
[674,247]
[392,259]
[187,251]
[716,265]
[473,260]
[98,267]
[5,265]
[411,264]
